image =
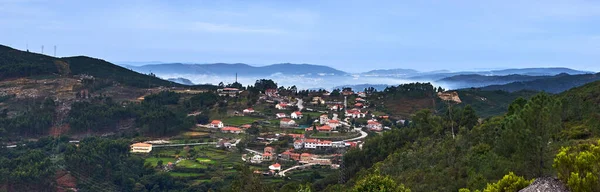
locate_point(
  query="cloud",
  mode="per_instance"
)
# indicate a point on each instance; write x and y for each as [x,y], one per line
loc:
[218,28]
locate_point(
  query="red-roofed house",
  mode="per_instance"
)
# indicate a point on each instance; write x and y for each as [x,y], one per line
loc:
[359,105]
[359,100]
[246,126]
[281,106]
[374,125]
[285,122]
[231,130]
[305,157]
[296,115]
[275,166]
[316,143]
[336,107]
[333,124]
[298,144]
[267,156]
[354,113]
[280,115]
[325,128]
[269,150]
[216,124]
[271,92]
[249,110]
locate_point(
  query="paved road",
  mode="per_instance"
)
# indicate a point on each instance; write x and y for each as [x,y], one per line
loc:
[282,173]
[362,135]
[253,151]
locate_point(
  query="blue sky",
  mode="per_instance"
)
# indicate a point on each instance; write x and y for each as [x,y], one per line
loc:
[348,35]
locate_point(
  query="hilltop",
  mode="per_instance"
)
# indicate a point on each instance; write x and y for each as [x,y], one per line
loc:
[554,84]
[240,68]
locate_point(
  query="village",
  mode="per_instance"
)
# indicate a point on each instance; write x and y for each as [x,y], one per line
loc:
[277,136]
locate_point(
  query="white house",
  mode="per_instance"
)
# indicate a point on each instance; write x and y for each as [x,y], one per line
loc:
[275,167]
[281,106]
[280,115]
[285,122]
[355,113]
[141,148]
[373,125]
[231,130]
[228,91]
[336,107]
[333,124]
[298,144]
[249,110]
[316,143]
[323,119]
[216,124]
[296,115]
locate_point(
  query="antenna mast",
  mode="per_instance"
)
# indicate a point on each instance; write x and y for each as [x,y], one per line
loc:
[42,49]
[54,50]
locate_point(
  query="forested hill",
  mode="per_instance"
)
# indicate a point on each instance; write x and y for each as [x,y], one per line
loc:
[16,64]
[541,136]
[556,84]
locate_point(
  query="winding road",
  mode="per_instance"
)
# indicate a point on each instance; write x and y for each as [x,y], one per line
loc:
[363,134]
[282,173]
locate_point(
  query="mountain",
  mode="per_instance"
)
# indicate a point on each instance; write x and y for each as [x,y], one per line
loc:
[554,84]
[474,80]
[182,81]
[239,68]
[361,87]
[505,72]
[17,64]
[393,72]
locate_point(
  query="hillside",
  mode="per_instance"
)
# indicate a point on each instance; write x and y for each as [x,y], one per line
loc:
[239,68]
[487,103]
[555,84]
[15,63]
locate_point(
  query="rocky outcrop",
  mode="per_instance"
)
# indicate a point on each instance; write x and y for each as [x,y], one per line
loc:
[546,184]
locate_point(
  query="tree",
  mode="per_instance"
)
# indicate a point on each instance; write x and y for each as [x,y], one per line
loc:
[469,118]
[376,183]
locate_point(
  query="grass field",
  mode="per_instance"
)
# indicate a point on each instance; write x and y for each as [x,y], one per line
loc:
[179,174]
[239,120]
[154,161]
[191,164]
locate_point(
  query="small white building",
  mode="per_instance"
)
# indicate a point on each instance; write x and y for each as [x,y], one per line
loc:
[280,115]
[334,124]
[323,119]
[249,110]
[373,125]
[285,122]
[216,124]
[275,167]
[298,144]
[281,106]
[141,148]
[296,115]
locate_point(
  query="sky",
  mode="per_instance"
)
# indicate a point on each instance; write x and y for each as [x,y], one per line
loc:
[349,35]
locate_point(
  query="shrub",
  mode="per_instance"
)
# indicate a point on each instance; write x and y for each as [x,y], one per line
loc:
[508,183]
[579,167]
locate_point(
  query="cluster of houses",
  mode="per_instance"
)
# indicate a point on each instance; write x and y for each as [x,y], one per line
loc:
[217,124]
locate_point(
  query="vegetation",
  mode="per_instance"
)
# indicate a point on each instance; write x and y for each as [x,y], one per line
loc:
[579,167]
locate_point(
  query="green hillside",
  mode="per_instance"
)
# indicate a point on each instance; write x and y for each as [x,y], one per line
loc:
[16,64]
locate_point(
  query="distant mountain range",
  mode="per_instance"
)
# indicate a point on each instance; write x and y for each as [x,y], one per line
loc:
[239,68]
[554,84]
